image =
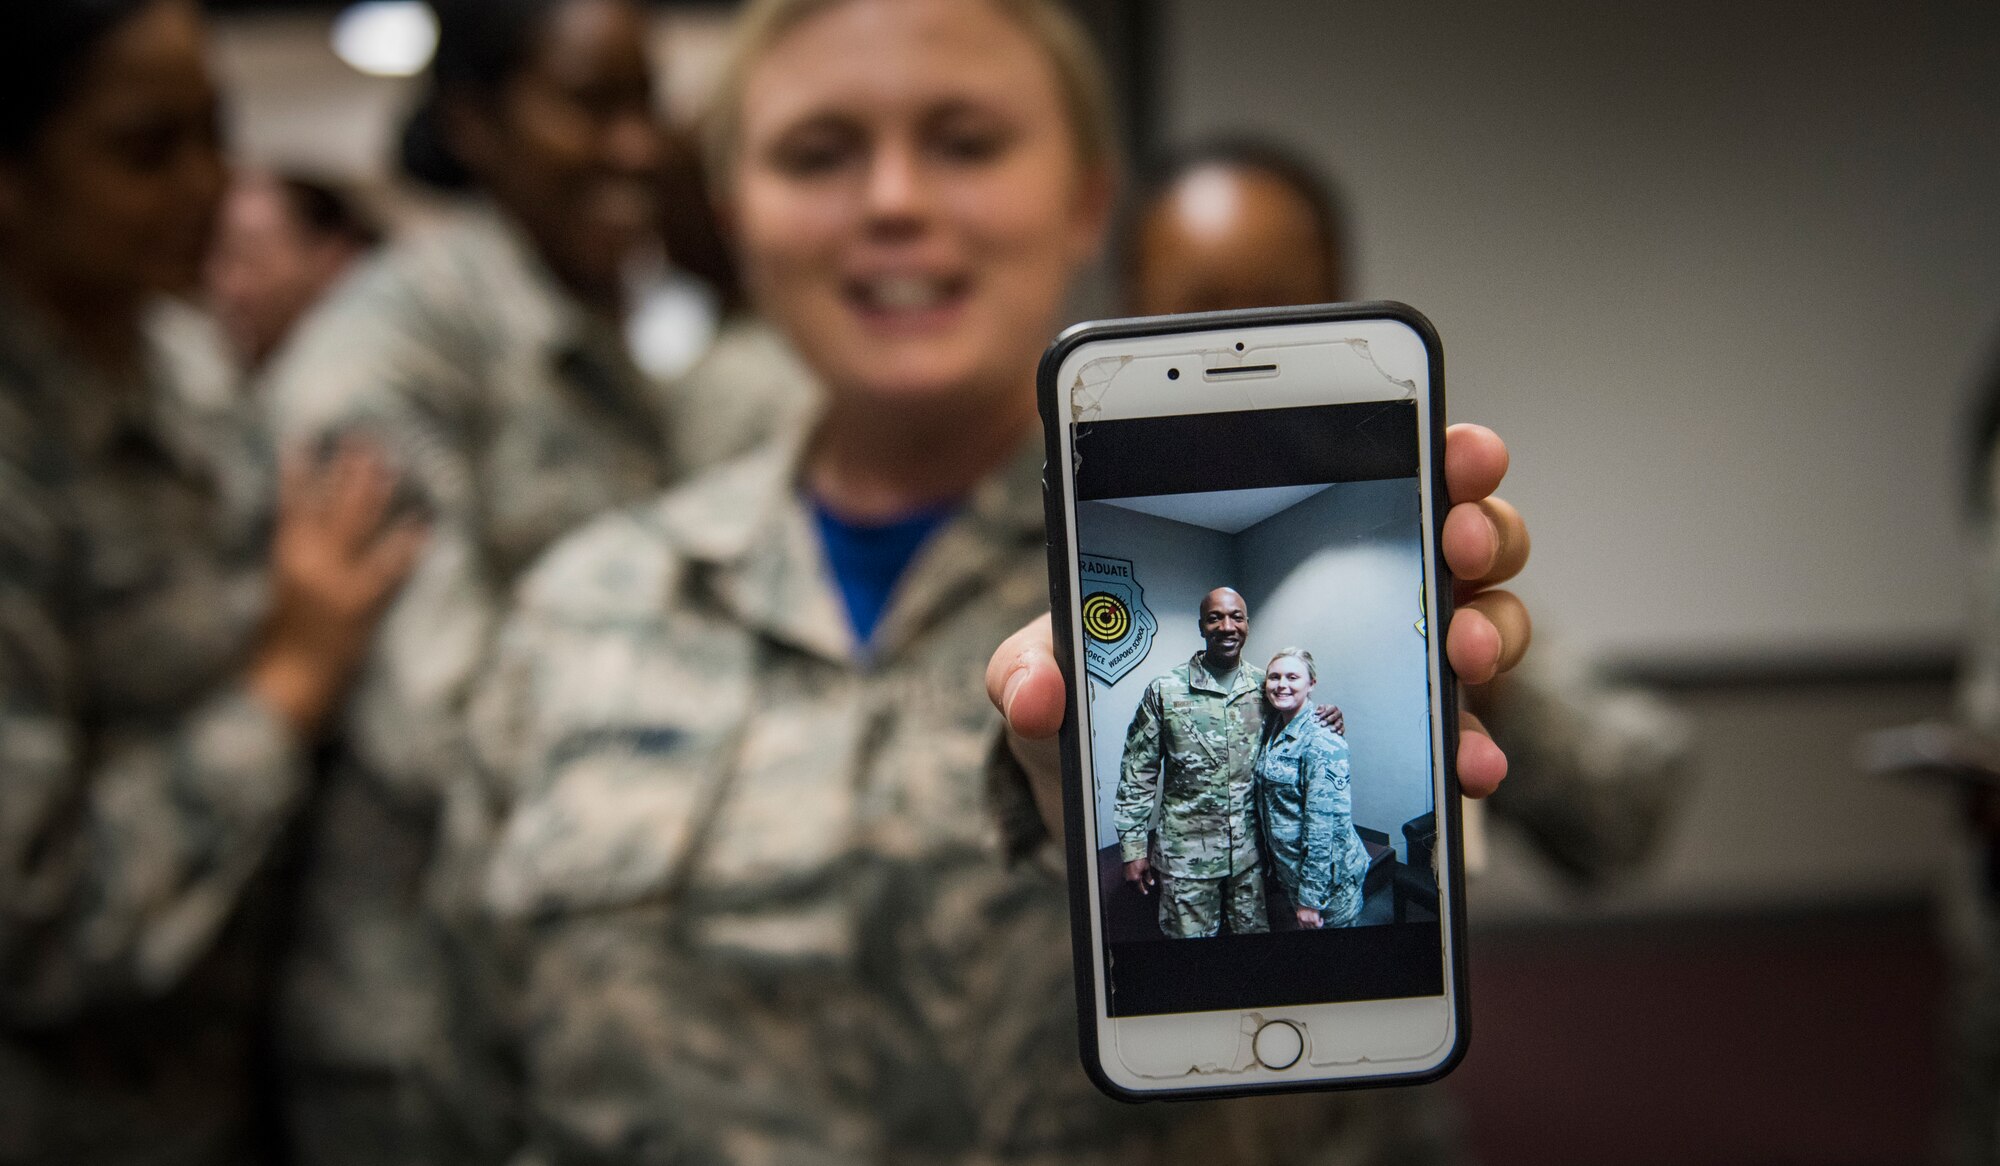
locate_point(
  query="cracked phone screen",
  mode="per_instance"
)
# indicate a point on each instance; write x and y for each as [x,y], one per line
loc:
[1262,708]
[1130,384]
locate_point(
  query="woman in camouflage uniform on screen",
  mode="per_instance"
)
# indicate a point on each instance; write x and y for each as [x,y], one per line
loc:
[1304,801]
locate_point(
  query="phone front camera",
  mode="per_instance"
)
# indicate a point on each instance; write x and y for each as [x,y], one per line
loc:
[1173,374]
[1239,346]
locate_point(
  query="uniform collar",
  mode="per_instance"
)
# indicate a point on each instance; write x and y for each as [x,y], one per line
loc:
[1200,677]
[533,305]
[543,309]
[584,348]
[749,524]
[1296,727]
[94,412]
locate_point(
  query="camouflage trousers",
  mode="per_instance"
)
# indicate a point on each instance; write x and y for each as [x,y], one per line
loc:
[1195,908]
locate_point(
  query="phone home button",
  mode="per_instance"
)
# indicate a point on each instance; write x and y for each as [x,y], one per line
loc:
[1279,1044]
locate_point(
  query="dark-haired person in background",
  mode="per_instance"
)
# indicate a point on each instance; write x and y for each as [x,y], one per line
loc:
[167,654]
[489,355]
[283,242]
[1234,224]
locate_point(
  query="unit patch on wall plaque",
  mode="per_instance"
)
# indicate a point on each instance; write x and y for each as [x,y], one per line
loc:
[1117,628]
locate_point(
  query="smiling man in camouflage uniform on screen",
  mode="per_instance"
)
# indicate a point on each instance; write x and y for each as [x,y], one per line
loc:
[1190,756]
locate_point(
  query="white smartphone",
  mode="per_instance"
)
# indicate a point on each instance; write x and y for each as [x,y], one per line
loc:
[1262,819]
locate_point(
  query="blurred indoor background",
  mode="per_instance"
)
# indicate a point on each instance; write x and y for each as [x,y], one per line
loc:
[1727,278]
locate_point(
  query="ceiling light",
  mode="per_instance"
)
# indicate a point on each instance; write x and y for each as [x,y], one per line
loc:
[386,38]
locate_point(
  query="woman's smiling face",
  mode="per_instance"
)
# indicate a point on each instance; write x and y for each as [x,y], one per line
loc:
[570,146]
[1288,684]
[909,197]
[118,194]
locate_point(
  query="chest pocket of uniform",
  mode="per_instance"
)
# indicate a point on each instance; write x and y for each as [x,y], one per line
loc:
[628,764]
[1192,724]
[609,826]
[1277,765]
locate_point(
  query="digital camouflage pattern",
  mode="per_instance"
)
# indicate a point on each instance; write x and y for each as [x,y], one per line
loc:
[142,787]
[747,906]
[1307,808]
[1187,796]
[1197,908]
[1594,769]
[516,414]
[1188,775]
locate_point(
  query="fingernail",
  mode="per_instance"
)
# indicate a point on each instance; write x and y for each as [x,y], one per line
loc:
[1012,688]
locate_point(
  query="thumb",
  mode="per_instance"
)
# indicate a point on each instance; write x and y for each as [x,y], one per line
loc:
[1024,683]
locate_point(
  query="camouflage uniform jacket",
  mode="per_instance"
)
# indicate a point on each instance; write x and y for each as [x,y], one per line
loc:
[516,414]
[1594,770]
[142,787]
[746,905]
[1189,764]
[1308,815]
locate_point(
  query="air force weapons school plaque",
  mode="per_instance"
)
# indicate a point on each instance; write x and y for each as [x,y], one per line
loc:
[1117,627]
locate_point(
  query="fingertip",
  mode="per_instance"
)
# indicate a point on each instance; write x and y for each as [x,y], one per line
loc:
[1472,645]
[1471,541]
[1479,441]
[1032,701]
[1010,688]
[1512,630]
[396,553]
[1482,765]
[1475,461]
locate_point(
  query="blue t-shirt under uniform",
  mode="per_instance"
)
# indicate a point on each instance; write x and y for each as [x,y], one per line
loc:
[868,558]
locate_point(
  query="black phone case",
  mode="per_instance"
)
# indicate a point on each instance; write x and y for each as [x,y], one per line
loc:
[1082,865]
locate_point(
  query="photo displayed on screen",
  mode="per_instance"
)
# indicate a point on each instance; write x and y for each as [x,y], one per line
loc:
[1259,693]
[1222,633]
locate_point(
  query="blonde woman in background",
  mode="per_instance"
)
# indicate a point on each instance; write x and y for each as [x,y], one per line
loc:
[746,902]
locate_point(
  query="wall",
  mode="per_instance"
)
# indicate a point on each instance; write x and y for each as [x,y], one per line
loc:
[1781,816]
[1176,564]
[293,104]
[1354,606]
[1722,274]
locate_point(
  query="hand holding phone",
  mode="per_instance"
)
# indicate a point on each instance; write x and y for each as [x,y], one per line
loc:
[1208,461]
